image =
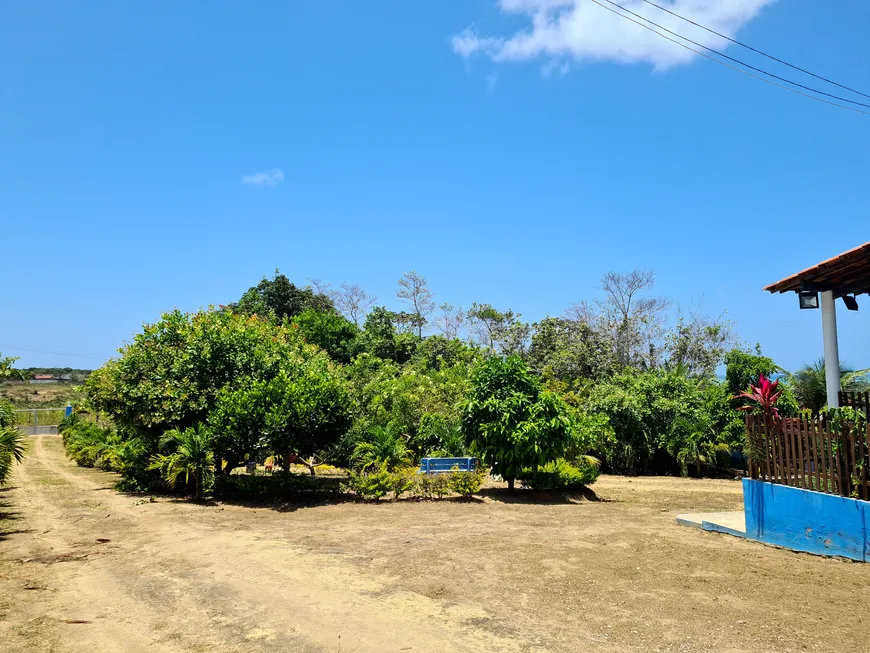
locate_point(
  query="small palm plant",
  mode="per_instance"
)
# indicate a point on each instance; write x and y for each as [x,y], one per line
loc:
[12,443]
[810,385]
[695,442]
[385,446]
[189,454]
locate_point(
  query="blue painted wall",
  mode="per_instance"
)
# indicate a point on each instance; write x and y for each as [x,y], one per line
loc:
[806,521]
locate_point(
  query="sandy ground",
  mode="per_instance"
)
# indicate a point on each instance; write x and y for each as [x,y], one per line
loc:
[86,570]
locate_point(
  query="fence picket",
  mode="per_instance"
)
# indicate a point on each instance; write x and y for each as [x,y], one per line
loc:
[806,453]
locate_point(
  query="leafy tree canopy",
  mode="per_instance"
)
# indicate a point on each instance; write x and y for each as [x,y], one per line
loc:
[171,374]
[281,298]
[511,422]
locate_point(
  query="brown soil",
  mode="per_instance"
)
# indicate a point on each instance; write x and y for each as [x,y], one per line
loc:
[86,570]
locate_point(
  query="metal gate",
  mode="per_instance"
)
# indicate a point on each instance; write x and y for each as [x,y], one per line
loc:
[39,421]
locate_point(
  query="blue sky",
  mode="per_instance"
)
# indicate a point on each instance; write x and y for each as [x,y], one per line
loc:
[509,163]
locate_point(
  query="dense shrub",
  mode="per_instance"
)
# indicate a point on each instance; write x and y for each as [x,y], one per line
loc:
[378,483]
[11,441]
[467,484]
[561,475]
[289,487]
[373,484]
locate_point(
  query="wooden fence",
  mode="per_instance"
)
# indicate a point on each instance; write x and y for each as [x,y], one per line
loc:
[857,400]
[807,454]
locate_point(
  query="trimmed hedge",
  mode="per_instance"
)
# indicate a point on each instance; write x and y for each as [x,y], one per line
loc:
[277,486]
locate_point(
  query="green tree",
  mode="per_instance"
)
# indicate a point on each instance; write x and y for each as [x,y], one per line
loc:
[568,350]
[642,408]
[238,426]
[303,411]
[511,422]
[188,453]
[697,345]
[381,338]
[281,298]
[693,441]
[499,331]
[329,331]
[170,375]
[437,352]
[743,368]
[809,384]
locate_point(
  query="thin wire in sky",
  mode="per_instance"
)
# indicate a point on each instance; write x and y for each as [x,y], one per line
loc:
[756,50]
[738,61]
[54,353]
[722,63]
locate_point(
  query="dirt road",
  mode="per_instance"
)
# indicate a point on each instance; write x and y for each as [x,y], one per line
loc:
[86,570]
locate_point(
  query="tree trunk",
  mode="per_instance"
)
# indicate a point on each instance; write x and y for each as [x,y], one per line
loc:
[510,482]
[311,466]
[197,485]
[698,463]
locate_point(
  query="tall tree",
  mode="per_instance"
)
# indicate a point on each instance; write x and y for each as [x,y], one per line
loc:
[281,298]
[499,331]
[414,289]
[568,350]
[451,321]
[353,301]
[635,322]
[697,344]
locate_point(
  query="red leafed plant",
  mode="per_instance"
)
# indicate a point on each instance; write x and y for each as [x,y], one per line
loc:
[763,396]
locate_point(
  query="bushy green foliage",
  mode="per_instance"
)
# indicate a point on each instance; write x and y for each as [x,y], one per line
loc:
[304,409]
[280,298]
[467,484]
[384,393]
[441,436]
[381,339]
[568,349]
[172,372]
[288,487]
[91,445]
[186,453]
[384,447]
[12,443]
[329,331]
[511,422]
[372,484]
[642,408]
[376,483]
[561,475]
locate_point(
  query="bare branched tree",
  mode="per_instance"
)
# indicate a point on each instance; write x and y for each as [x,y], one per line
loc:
[636,322]
[414,289]
[582,312]
[352,301]
[322,287]
[451,321]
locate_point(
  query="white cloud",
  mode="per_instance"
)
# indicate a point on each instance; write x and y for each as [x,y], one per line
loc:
[269,179]
[582,30]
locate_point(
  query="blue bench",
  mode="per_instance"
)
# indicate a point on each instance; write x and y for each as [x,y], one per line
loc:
[443,465]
